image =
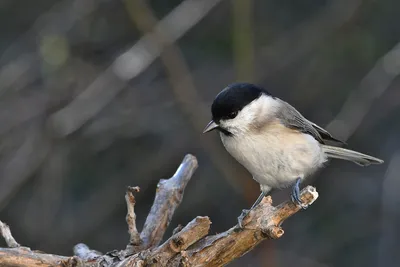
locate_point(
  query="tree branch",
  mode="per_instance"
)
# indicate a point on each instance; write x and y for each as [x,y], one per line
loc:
[168,197]
[24,257]
[193,232]
[263,222]
[188,246]
[131,216]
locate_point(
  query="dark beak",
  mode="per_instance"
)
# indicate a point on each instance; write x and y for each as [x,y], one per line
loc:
[210,126]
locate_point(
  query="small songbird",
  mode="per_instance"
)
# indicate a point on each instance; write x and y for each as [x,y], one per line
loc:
[272,140]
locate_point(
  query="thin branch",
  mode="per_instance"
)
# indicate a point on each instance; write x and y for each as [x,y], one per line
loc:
[23,257]
[190,234]
[263,222]
[6,234]
[188,246]
[131,216]
[168,197]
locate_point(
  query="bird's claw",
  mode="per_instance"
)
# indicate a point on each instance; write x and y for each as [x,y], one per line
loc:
[296,200]
[295,195]
[242,216]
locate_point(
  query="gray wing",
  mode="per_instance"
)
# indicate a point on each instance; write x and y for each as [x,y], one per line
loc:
[291,118]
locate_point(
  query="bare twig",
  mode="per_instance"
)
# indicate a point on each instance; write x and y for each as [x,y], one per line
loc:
[6,234]
[131,216]
[22,257]
[263,222]
[188,246]
[191,233]
[168,197]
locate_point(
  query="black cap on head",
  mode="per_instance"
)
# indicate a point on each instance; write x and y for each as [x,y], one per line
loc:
[234,98]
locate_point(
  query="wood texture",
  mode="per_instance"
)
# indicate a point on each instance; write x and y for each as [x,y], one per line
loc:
[188,246]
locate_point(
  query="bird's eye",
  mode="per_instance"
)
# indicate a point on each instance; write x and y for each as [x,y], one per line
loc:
[232,114]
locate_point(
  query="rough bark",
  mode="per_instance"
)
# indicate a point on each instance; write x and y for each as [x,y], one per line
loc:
[188,246]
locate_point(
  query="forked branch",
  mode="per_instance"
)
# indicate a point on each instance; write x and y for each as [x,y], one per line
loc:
[188,246]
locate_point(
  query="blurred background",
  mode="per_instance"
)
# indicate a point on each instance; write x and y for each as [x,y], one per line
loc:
[97,95]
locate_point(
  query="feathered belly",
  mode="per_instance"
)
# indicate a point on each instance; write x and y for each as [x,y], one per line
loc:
[274,161]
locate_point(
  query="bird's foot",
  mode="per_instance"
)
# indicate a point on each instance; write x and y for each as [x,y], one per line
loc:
[242,216]
[295,195]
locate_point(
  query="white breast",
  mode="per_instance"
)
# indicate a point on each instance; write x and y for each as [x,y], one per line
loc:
[276,156]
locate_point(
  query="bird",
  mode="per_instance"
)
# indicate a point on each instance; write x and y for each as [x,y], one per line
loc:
[274,141]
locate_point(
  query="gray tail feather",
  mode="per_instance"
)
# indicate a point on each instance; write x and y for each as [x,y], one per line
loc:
[346,154]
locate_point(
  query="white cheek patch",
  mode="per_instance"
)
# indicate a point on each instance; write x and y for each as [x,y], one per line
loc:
[260,109]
